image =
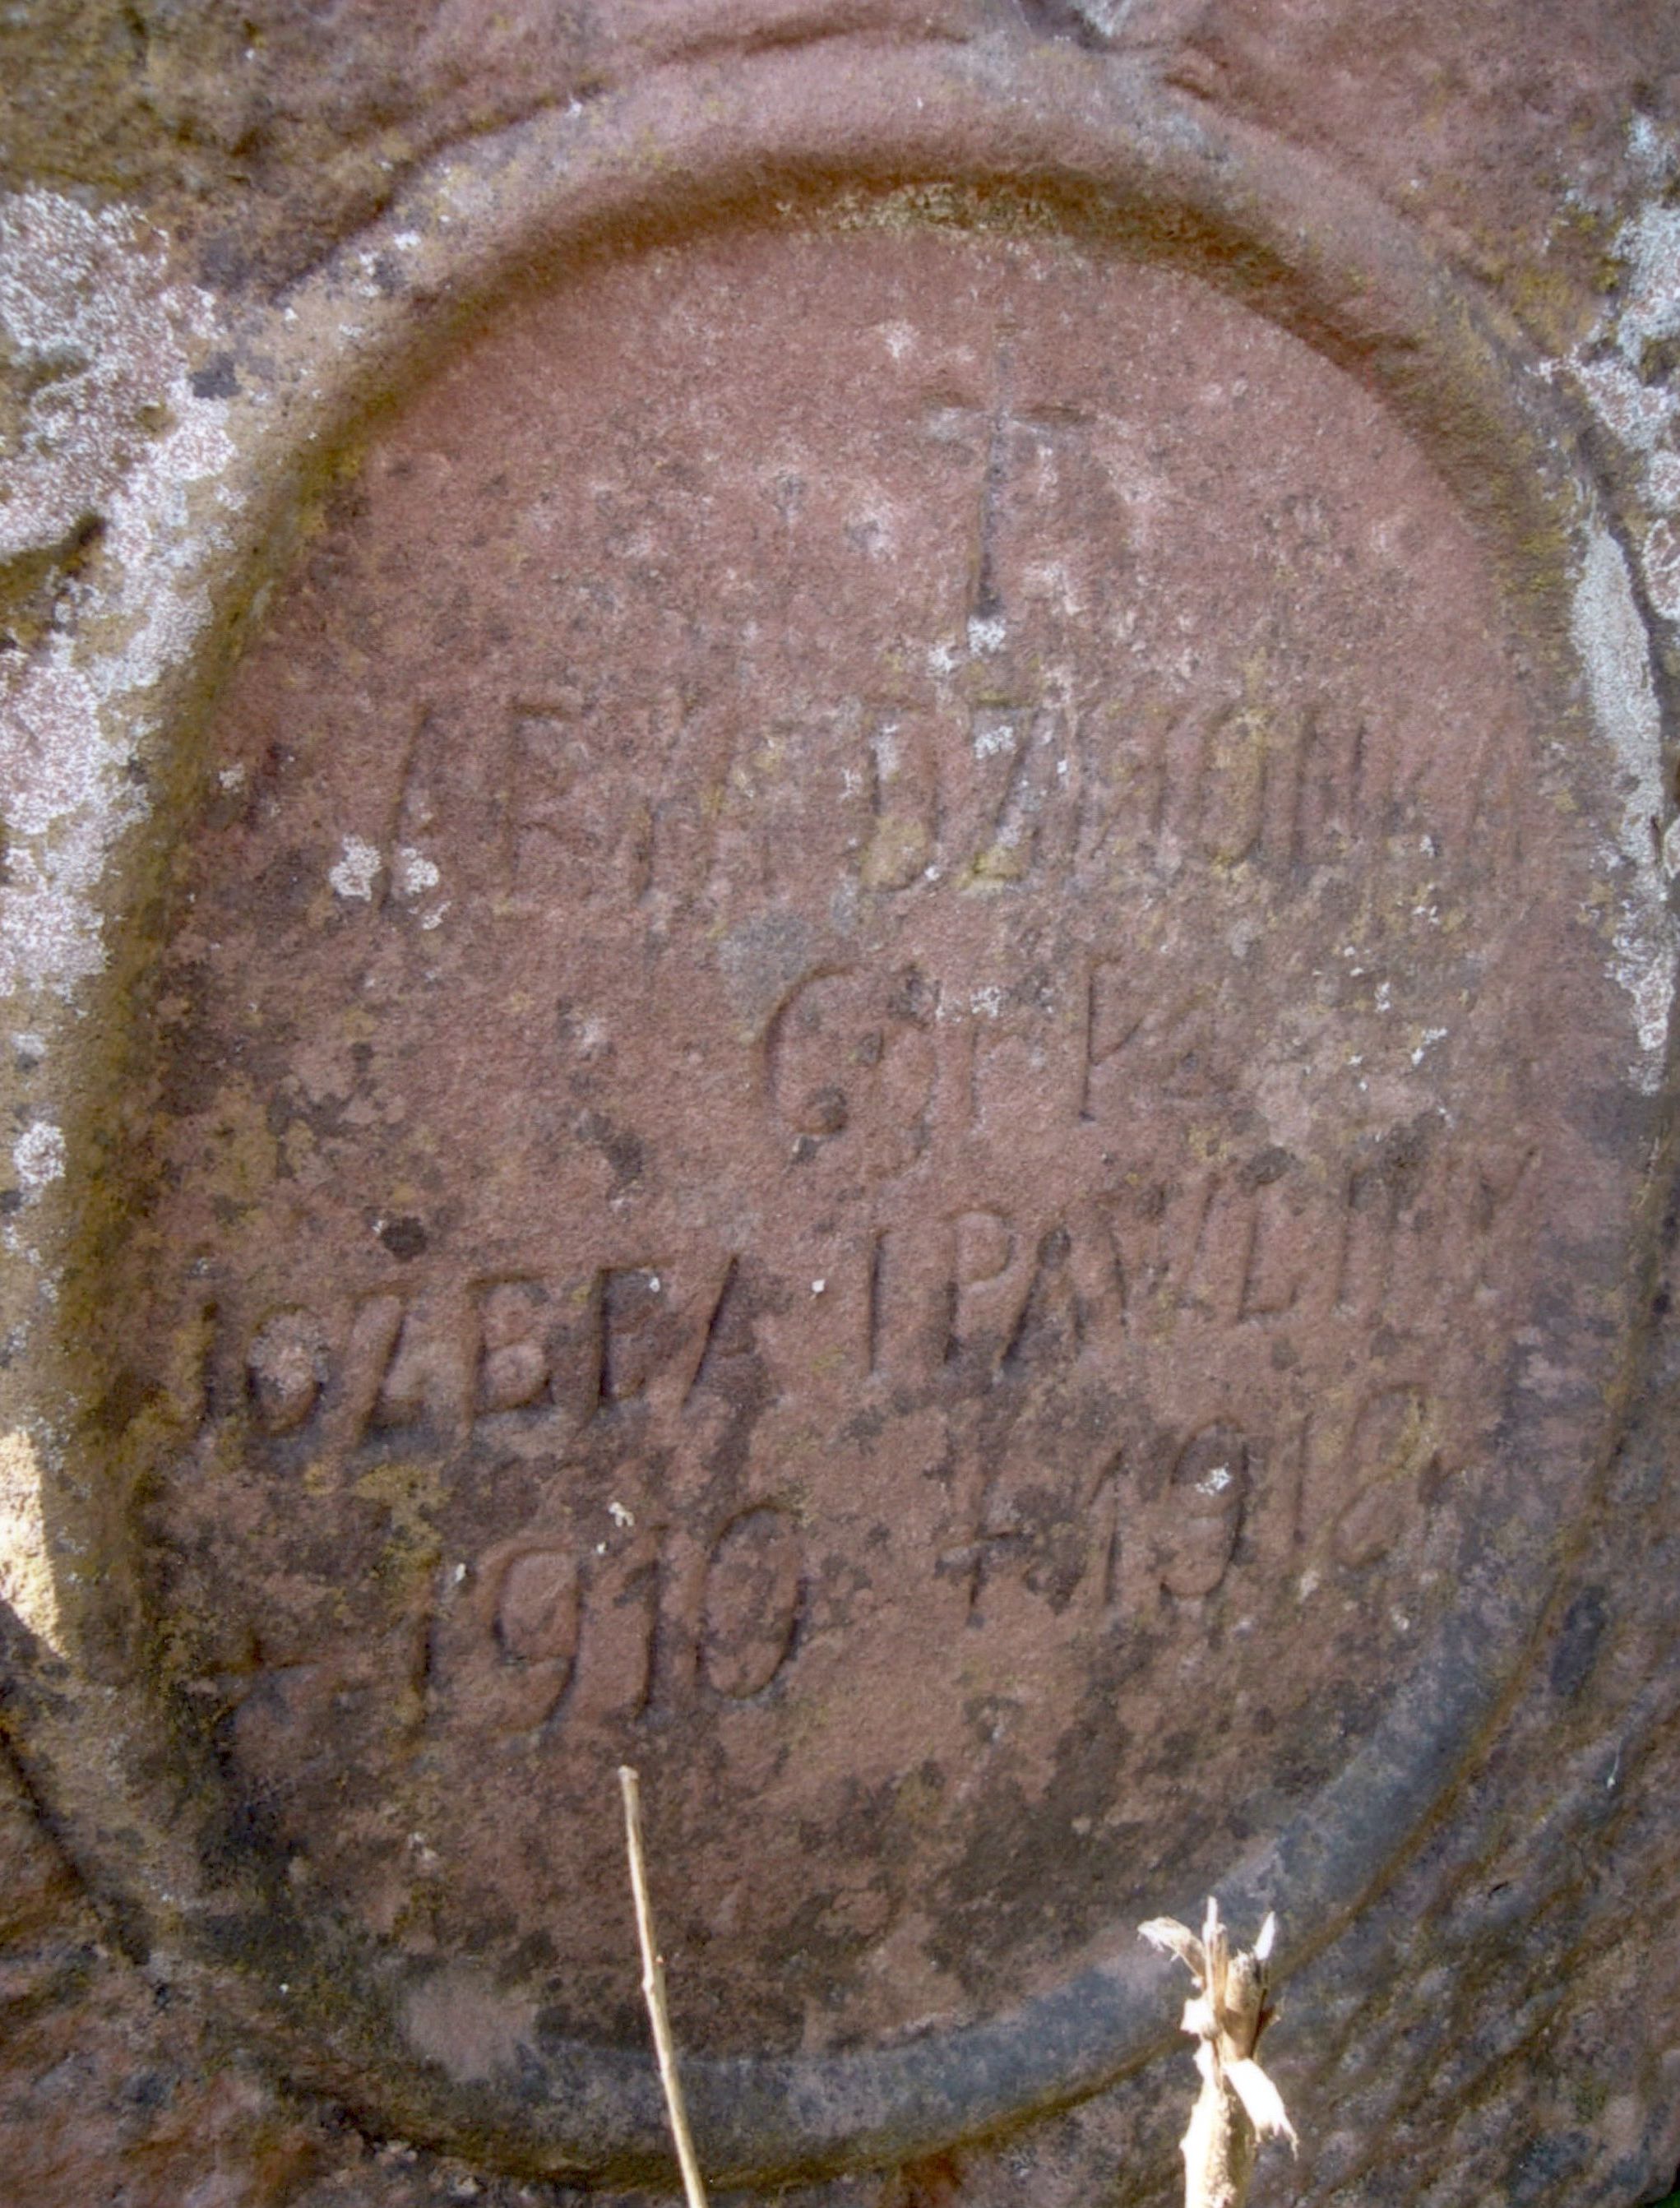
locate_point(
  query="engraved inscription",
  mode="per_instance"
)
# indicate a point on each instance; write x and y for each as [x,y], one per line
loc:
[935,1141]
[548,1630]
[1006,790]
[531,1359]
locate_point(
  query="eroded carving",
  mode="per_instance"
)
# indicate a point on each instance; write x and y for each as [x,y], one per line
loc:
[920,1101]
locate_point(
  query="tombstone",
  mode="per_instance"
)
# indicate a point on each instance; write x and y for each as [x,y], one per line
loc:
[890,1036]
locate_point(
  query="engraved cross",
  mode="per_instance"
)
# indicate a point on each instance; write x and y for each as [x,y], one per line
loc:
[1003,422]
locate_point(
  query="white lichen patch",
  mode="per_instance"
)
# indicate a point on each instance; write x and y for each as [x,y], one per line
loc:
[115,455]
[1611,640]
[1050,579]
[1613,368]
[37,1158]
[82,344]
[1660,559]
[415,873]
[1610,366]
[1638,413]
[354,876]
[991,737]
[1649,307]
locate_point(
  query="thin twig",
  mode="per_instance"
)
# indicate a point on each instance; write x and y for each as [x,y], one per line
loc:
[653,1986]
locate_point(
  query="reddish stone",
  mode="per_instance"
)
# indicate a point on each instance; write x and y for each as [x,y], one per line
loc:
[860,1075]
[889,1072]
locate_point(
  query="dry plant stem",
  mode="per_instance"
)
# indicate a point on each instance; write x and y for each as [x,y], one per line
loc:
[1237,2105]
[653,1987]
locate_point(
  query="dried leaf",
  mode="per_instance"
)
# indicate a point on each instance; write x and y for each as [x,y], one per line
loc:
[1175,1939]
[1262,2101]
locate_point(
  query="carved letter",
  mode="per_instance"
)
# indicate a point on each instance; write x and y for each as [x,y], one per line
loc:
[991,1284]
[514,1366]
[504,1642]
[851,1059]
[910,1298]
[287,1370]
[614,1668]
[537,1617]
[429,1376]
[752,1600]
[373,1336]
[1235,768]
[1203,1511]
[1389,1451]
[639,1330]
[901,776]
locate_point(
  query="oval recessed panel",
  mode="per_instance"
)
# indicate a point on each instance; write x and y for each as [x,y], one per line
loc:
[879,1064]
